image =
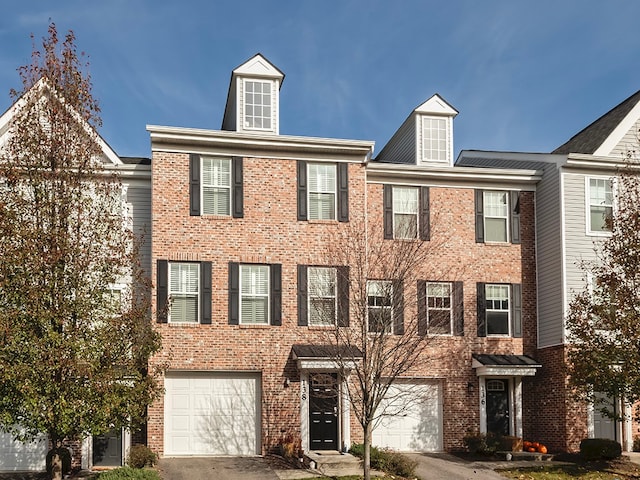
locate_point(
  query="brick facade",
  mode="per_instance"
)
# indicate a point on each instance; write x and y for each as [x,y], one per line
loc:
[269,232]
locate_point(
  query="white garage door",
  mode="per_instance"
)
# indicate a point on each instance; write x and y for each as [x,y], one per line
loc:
[412,421]
[19,456]
[212,414]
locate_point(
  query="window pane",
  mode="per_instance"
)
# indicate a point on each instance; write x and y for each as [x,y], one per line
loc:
[439,311]
[254,294]
[255,310]
[405,209]
[184,285]
[322,295]
[322,191]
[496,216]
[257,108]
[600,204]
[495,229]
[216,186]
[434,135]
[379,312]
[497,305]
[184,308]
[321,206]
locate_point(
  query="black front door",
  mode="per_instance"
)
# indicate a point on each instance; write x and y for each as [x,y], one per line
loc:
[107,449]
[323,411]
[498,406]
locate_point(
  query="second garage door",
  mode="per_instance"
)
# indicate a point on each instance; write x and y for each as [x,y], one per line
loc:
[413,418]
[212,414]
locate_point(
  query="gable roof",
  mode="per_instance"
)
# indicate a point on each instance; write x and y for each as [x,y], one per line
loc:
[592,138]
[38,89]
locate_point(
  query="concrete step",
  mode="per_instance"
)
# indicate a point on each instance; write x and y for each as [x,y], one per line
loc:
[531,456]
[333,463]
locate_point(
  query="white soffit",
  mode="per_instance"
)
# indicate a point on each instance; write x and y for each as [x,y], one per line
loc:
[436,105]
[258,66]
[619,132]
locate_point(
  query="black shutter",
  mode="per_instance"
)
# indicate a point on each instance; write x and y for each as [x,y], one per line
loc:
[342,284]
[425,228]
[303,317]
[422,308]
[234,293]
[458,309]
[387,207]
[275,271]
[479,217]
[516,310]
[162,297]
[515,217]
[482,310]
[237,202]
[398,307]
[205,293]
[343,192]
[194,184]
[302,190]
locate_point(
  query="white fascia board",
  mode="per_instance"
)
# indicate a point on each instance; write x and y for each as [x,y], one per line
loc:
[436,105]
[175,136]
[455,176]
[619,132]
[595,162]
[503,371]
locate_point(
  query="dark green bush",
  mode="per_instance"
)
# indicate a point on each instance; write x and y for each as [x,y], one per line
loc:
[65,455]
[636,444]
[128,473]
[141,456]
[600,449]
[482,443]
[388,461]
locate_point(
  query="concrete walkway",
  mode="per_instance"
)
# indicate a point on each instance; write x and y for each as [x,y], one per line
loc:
[219,468]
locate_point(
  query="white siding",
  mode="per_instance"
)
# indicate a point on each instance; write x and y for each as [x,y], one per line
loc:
[580,247]
[139,204]
[549,257]
[402,146]
[629,142]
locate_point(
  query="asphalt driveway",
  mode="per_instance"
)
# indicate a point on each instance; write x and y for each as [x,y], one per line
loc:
[218,468]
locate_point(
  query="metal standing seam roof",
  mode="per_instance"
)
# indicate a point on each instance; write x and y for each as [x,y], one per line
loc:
[325,351]
[506,360]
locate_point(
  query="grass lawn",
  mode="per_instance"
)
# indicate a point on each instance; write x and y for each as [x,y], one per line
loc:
[615,470]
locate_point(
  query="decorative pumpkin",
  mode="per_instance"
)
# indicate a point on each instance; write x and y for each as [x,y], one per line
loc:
[531,449]
[526,444]
[542,449]
[535,444]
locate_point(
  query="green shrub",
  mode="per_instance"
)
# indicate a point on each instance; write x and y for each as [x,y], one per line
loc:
[600,449]
[636,444]
[65,455]
[141,456]
[128,473]
[388,461]
[482,443]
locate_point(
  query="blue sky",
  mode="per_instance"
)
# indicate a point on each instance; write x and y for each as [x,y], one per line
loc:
[524,75]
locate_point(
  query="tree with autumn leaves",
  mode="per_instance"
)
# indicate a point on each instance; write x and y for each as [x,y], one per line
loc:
[604,318]
[75,332]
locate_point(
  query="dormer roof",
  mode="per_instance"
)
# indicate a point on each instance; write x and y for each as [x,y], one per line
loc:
[256,68]
[436,105]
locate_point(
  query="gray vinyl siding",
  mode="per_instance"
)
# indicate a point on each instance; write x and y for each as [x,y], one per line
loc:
[580,246]
[139,203]
[549,257]
[629,142]
[402,146]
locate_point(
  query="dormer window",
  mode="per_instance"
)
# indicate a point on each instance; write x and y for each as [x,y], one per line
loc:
[434,139]
[257,105]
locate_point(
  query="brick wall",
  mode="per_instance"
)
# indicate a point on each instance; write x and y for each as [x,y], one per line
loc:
[270,233]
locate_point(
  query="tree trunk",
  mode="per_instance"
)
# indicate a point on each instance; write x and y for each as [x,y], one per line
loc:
[56,465]
[367,452]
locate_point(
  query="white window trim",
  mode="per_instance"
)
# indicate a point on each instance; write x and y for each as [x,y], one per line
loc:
[417,212]
[450,284]
[169,295]
[448,143]
[335,194]
[335,298]
[203,185]
[271,117]
[507,218]
[268,295]
[508,310]
[388,284]
[587,204]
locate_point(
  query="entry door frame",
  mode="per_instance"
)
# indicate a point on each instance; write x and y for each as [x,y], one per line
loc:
[86,461]
[344,412]
[514,386]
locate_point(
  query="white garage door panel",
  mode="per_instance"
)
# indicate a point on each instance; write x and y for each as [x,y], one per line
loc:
[19,456]
[212,414]
[412,420]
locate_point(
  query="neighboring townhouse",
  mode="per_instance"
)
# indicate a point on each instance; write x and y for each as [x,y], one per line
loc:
[573,199]
[109,449]
[240,222]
